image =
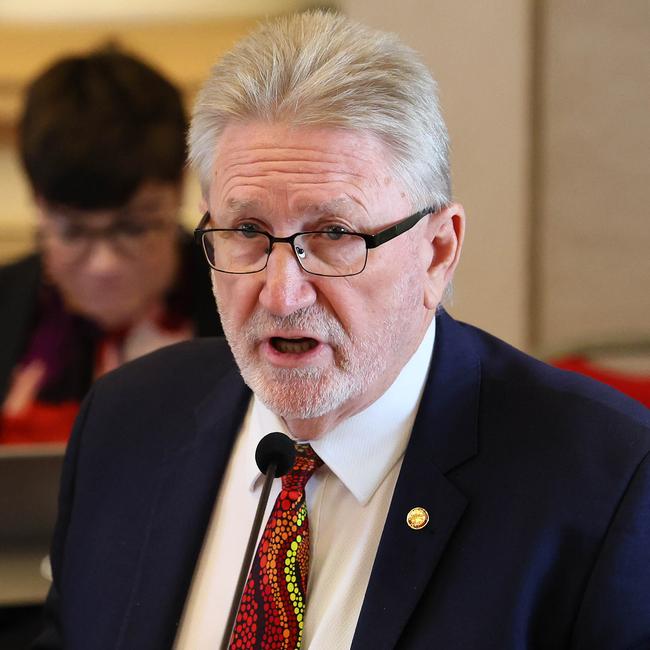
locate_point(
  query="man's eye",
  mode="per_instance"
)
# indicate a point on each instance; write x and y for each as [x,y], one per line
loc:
[249,230]
[335,232]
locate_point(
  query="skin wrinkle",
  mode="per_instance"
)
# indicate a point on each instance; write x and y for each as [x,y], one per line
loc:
[319,155]
[347,198]
[322,158]
[310,177]
[244,158]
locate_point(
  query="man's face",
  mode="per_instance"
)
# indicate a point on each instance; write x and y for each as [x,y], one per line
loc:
[112,265]
[311,346]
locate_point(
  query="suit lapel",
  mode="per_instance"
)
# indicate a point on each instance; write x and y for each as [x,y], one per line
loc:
[444,436]
[188,483]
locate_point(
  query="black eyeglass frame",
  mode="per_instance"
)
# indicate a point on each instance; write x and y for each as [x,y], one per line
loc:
[371,241]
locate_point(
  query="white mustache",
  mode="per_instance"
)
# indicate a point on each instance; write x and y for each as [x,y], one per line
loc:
[314,320]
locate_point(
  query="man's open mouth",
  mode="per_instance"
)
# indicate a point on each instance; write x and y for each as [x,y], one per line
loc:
[293,346]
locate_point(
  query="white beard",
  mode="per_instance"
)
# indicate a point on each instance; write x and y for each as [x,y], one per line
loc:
[304,393]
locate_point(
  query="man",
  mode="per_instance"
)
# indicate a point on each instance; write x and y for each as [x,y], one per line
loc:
[102,139]
[469,496]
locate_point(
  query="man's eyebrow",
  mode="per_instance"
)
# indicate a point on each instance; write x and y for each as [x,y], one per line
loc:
[342,206]
[237,206]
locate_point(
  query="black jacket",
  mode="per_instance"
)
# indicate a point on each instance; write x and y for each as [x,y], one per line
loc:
[537,483]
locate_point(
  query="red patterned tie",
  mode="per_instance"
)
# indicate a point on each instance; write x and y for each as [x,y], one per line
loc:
[272,608]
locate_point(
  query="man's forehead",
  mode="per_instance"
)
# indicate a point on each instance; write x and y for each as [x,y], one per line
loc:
[253,142]
[308,171]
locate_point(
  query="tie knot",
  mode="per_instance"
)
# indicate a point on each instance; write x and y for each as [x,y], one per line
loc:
[306,463]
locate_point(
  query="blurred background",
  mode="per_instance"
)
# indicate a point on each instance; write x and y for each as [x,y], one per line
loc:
[546,104]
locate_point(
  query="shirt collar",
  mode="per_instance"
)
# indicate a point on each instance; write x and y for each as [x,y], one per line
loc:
[363,449]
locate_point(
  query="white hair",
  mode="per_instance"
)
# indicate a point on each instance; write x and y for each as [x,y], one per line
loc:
[322,69]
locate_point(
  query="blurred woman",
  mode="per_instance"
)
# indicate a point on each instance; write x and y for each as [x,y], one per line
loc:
[102,140]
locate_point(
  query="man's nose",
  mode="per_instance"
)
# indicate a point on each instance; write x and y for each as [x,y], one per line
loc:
[287,287]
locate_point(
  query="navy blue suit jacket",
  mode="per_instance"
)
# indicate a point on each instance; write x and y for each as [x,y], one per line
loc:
[537,483]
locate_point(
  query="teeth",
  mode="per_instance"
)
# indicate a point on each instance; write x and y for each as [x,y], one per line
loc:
[296,346]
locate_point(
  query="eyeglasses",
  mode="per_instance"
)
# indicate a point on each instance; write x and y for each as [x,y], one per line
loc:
[331,253]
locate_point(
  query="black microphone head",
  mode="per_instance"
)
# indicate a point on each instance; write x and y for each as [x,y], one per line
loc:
[275,448]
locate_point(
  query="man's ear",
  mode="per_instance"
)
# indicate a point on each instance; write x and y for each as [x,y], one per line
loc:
[445,232]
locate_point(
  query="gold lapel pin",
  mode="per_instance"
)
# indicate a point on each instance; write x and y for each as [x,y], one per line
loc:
[417,518]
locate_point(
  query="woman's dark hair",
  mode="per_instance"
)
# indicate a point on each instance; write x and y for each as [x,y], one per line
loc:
[95,127]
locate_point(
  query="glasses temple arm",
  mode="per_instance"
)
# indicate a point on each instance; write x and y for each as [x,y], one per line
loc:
[372,241]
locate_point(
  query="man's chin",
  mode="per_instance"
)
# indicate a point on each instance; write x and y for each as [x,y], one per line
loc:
[298,393]
[293,410]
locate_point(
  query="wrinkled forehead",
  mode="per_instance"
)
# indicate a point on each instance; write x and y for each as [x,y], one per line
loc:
[306,206]
[313,170]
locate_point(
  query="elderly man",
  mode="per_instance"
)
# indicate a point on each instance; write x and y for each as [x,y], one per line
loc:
[458,493]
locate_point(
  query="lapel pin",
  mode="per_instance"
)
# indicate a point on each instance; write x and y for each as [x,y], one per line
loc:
[417,518]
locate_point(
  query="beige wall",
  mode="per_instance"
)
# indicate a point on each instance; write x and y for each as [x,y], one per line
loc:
[480,54]
[594,233]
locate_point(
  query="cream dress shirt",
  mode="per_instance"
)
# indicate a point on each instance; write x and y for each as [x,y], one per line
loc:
[347,500]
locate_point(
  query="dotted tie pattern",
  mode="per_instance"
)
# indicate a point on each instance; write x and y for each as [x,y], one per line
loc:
[272,609]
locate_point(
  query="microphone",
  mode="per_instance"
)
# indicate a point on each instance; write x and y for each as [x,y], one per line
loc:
[275,448]
[275,456]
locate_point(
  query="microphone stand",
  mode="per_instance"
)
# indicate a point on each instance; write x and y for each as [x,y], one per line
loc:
[248,556]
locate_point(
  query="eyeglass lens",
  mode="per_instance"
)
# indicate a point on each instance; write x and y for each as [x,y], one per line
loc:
[321,253]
